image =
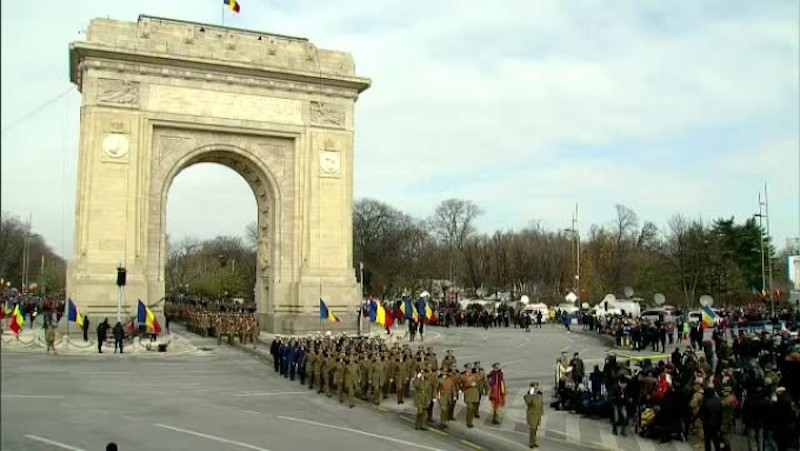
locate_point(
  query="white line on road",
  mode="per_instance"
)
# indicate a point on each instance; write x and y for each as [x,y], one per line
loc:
[274,393]
[53,443]
[12,396]
[105,372]
[356,431]
[211,437]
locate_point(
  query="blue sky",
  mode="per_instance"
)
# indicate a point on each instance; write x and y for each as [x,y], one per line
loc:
[525,107]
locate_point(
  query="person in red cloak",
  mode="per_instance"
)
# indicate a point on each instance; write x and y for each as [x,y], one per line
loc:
[497,391]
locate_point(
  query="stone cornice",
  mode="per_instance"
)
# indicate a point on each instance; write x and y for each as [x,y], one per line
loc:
[84,56]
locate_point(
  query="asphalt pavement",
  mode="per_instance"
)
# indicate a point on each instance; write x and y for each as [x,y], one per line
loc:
[222,398]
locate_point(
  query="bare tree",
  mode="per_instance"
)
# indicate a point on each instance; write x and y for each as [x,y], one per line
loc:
[452,222]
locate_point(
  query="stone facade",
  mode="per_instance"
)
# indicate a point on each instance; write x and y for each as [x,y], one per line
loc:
[160,95]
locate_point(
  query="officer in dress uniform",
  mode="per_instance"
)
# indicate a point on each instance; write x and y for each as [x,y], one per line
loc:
[534,409]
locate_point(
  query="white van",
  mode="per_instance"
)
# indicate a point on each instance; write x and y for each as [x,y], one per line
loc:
[531,310]
[656,314]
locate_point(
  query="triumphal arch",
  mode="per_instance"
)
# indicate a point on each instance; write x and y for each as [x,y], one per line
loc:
[160,95]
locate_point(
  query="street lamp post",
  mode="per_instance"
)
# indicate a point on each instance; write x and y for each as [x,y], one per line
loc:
[576,248]
[761,215]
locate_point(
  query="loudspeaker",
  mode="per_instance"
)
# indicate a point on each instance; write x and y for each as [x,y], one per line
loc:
[121,276]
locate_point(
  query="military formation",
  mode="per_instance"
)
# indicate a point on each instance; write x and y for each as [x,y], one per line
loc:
[370,370]
[218,323]
[362,368]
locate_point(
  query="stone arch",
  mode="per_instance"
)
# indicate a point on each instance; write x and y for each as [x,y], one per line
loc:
[155,102]
[266,191]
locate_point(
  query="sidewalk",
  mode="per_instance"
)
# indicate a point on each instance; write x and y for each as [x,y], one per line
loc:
[32,341]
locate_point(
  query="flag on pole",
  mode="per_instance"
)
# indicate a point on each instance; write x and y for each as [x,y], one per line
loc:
[17,321]
[73,315]
[324,313]
[409,311]
[708,317]
[146,316]
[377,314]
[233,5]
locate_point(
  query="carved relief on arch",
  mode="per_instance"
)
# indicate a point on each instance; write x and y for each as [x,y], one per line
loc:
[117,92]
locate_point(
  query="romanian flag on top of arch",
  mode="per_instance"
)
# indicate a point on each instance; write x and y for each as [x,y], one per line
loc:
[233,5]
[146,316]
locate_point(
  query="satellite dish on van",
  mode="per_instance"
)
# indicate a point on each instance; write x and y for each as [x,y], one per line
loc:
[628,292]
[525,299]
[706,300]
[610,298]
[659,299]
[585,305]
[571,297]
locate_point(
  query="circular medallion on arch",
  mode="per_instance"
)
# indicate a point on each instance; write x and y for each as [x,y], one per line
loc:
[115,145]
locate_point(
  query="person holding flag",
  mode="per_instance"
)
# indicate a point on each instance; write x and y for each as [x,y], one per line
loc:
[497,391]
[17,321]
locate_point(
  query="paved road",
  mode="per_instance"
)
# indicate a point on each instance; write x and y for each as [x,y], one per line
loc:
[224,399]
[527,357]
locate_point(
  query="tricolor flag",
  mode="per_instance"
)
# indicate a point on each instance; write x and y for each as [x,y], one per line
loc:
[147,317]
[17,321]
[377,314]
[324,313]
[708,317]
[424,309]
[407,307]
[233,5]
[73,315]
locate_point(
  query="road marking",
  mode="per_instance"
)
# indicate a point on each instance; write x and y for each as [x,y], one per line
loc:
[573,428]
[53,443]
[356,431]
[607,439]
[105,372]
[273,393]
[438,431]
[211,437]
[470,444]
[251,411]
[12,396]
[644,445]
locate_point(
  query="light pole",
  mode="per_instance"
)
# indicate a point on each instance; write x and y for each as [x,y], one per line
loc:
[764,289]
[361,297]
[576,248]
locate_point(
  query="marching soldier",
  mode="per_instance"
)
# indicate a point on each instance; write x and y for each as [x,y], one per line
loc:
[471,389]
[378,373]
[535,408]
[483,387]
[445,397]
[350,381]
[420,401]
[338,377]
[400,378]
[365,373]
[311,367]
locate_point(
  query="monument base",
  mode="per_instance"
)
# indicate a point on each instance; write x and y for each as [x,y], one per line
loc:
[302,324]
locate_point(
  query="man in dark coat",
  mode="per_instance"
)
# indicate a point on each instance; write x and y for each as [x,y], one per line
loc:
[711,416]
[102,331]
[119,334]
[85,328]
